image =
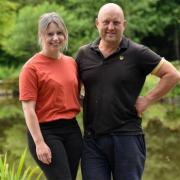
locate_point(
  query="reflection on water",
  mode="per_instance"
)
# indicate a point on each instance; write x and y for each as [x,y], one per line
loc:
[13,133]
[163,139]
[10,116]
[163,145]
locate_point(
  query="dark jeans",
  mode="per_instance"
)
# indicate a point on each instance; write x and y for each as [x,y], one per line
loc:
[65,141]
[119,156]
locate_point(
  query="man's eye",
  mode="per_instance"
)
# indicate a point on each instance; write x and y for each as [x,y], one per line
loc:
[116,23]
[105,22]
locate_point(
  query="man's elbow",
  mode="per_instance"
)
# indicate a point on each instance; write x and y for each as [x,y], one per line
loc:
[175,77]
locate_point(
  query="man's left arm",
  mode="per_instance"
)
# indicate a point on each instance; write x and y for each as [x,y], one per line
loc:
[169,77]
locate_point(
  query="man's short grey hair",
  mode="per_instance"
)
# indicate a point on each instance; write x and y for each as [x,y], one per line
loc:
[48,18]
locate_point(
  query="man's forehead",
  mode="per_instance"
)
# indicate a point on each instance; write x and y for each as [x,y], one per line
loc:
[110,10]
[110,15]
[110,18]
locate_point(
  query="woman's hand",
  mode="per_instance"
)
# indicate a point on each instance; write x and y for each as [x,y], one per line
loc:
[43,152]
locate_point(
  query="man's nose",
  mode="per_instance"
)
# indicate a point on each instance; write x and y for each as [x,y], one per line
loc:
[111,25]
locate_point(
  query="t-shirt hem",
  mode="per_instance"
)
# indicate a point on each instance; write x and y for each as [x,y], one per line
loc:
[28,99]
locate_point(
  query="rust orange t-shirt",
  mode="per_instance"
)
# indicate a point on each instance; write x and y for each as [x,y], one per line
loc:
[53,84]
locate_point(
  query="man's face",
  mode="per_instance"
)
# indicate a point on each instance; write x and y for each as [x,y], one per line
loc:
[110,24]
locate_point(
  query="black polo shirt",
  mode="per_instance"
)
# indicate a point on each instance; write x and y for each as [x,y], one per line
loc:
[112,86]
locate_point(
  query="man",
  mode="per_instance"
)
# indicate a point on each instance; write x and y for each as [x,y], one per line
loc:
[113,70]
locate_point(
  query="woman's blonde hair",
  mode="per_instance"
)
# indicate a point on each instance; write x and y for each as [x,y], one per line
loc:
[48,18]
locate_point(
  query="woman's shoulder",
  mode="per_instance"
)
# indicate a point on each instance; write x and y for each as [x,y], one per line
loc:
[68,59]
[33,61]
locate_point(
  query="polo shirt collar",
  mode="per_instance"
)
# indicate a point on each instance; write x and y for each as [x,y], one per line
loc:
[123,44]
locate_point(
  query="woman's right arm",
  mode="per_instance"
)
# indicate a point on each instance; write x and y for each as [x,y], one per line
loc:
[42,150]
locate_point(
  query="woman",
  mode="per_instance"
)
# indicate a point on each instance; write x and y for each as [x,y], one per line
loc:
[49,91]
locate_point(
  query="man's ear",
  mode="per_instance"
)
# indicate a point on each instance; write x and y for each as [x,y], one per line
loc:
[96,22]
[125,23]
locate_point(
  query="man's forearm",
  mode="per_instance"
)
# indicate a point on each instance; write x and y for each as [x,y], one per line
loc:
[166,83]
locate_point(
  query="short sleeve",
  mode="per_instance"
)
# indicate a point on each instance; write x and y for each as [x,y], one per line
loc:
[148,60]
[156,69]
[28,84]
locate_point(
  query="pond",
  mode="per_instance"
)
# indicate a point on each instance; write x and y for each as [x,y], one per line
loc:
[161,124]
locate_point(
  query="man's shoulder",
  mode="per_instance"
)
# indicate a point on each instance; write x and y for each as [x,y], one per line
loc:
[141,49]
[136,45]
[83,51]
[85,47]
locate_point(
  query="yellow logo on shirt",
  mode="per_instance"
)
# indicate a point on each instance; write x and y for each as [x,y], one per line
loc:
[121,58]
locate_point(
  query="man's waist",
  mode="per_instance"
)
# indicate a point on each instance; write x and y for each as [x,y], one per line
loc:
[96,133]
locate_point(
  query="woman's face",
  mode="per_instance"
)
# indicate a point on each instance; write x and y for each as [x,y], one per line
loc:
[53,38]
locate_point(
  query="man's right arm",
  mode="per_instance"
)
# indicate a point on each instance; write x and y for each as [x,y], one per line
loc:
[169,77]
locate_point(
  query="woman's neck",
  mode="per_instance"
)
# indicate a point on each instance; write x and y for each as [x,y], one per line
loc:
[53,55]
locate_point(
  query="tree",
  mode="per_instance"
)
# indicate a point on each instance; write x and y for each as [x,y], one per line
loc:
[145,18]
[22,41]
[8,12]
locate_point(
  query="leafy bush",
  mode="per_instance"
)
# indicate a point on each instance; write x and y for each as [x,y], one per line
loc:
[11,73]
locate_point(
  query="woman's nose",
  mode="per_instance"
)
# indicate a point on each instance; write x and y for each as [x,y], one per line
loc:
[55,36]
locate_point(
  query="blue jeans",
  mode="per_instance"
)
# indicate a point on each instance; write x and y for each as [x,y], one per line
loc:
[121,157]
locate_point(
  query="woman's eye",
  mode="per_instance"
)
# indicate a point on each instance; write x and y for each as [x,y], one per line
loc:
[50,34]
[59,33]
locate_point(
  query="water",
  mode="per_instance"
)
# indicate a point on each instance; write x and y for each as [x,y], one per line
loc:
[162,138]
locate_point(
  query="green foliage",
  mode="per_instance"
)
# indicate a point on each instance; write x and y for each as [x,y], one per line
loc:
[23,3]
[140,18]
[9,73]
[149,16]
[175,92]
[8,13]
[150,82]
[156,111]
[12,142]
[17,171]
[10,111]
[22,41]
